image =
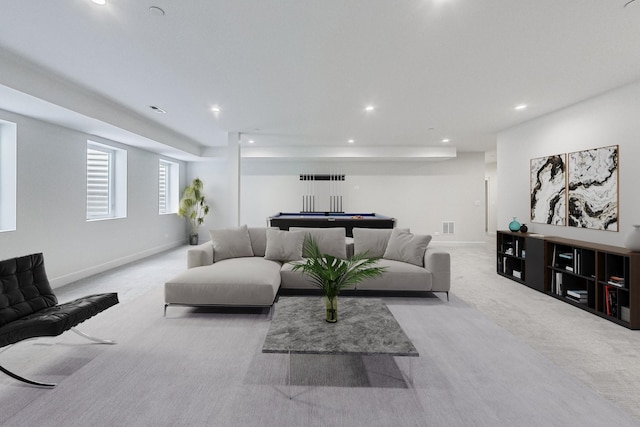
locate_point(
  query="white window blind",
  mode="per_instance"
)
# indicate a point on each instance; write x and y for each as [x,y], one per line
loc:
[168,177]
[8,175]
[100,182]
[163,187]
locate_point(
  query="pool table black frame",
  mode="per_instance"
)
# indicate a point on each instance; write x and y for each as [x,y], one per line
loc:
[328,219]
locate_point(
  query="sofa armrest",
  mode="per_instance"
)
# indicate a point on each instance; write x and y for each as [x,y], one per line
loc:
[200,255]
[438,263]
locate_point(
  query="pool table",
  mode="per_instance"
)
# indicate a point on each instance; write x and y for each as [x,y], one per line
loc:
[284,220]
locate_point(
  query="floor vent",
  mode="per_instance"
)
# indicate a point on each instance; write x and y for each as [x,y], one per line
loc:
[448,227]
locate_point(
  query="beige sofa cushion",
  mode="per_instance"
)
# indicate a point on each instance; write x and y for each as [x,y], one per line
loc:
[251,281]
[330,241]
[407,247]
[398,276]
[258,237]
[231,243]
[284,245]
[372,240]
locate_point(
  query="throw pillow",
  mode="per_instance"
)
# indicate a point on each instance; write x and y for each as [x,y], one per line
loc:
[284,245]
[406,247]
[330,241]
[371,240]
[258,236]
[230,243]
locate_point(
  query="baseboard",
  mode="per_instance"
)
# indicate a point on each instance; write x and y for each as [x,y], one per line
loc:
[454,243]
[57,282]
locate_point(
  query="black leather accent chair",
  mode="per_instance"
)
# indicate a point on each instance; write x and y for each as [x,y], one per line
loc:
[29,308]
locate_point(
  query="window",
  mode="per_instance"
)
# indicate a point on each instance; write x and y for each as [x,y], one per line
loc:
[8,159]
[106,182]
[168,176]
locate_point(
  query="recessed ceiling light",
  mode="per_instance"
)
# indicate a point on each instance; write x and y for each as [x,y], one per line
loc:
[351,141]
[369,108]
[157,109]
[446,140]
[215,109]
[100,2]
[520,107]
[251,141]
[156,11]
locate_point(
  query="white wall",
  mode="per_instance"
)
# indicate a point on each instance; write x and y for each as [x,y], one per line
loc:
[51,206]
[491,177]
[609,119]
[420,195]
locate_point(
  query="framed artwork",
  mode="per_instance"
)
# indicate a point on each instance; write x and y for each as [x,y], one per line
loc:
[549,190]
[593,188]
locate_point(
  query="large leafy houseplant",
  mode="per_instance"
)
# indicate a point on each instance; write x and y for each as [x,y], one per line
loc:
[331,274]
[194,208]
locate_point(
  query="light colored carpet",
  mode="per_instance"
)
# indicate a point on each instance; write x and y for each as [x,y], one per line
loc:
[599,353]
[479,366]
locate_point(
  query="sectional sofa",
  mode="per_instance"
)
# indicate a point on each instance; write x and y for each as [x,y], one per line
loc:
[249,267]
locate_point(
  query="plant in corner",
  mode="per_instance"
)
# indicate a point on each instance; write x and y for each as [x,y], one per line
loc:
[332,274]
[194,208]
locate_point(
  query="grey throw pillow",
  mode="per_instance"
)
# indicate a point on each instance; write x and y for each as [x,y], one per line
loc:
[371,240]
[258,236]
[284,245]
[230,243]
[406,247]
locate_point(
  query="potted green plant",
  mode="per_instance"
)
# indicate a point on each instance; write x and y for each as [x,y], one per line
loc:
[194,208]
[331,274]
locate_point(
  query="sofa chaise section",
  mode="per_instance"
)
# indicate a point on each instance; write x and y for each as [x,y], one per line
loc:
[246,282]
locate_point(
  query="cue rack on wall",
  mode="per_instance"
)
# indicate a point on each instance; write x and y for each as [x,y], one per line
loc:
[327,187]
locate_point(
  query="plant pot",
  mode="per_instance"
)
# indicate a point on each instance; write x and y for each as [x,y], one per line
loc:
[193,239]
[331,305]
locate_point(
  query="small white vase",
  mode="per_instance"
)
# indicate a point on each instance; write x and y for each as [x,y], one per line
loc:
[632,240]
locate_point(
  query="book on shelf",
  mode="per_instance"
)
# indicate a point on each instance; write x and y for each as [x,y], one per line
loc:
[616,281]
[611,300]
[558,284]
[517,274]
[569,268]
[577,293]
[565,255]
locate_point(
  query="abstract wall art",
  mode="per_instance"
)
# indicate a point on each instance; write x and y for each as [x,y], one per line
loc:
[593,188]
[549,190]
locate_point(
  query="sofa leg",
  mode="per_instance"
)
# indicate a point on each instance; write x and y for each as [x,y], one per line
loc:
[26,380]
[165,309]
[94,339]
[447,296]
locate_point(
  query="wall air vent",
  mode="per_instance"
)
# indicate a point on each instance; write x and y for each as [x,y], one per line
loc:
[448,227]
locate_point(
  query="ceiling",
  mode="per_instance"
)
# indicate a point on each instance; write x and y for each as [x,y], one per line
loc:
[299,73]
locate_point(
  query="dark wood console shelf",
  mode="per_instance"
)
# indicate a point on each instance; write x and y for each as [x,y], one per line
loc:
[521,258]
[601,279]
